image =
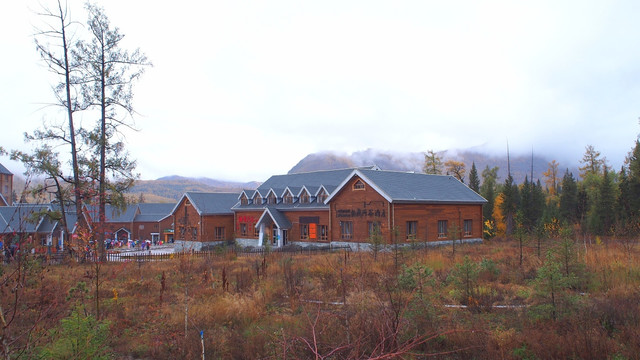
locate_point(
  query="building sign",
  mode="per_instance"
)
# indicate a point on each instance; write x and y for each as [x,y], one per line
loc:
[355,213]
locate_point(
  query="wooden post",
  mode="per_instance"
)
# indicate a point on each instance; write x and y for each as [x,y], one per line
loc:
[202,342]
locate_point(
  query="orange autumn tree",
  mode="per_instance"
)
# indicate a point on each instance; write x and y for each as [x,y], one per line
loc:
[500,224]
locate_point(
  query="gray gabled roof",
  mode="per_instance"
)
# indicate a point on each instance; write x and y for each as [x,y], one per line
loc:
[276,216]
[308,179]
[398,186]
[22,218]
[153,212]
[207,203]
[4,170]
[113,213]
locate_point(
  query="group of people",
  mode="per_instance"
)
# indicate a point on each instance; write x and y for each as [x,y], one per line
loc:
[132,244]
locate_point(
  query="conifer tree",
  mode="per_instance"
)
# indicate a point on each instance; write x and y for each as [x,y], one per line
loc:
[568,198]
[432,163]
[474,180]
[488,191]
[510,204]
[601,216]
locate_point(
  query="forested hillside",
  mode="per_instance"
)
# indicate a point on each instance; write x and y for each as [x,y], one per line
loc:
[521,166]
[172,188]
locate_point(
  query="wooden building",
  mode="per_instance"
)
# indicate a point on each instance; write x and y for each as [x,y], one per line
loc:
[352,206]
[135,222]
[6,186]
[201,219]
[34,226]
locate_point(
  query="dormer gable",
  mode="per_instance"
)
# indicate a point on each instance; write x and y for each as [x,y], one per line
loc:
[304,197]
[287,197]
[322,195]
[272,198]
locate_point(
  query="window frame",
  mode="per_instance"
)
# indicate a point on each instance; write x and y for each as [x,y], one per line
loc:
[359,185]
[468,227]
[304,231]
[443,226]
[346,230]
[411,230]
[219,233]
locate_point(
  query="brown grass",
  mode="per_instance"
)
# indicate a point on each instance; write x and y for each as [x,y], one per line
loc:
[285,306]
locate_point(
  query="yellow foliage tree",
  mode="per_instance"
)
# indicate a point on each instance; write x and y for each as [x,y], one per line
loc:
[500,225]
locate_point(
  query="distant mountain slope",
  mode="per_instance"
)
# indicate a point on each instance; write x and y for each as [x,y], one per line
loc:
[173,187]
[520,165]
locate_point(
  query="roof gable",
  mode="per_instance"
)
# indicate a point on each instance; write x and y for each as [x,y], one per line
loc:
[397,186]
[212,203]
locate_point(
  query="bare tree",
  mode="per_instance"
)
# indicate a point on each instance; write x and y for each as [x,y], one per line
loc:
[110,72]
[53,43]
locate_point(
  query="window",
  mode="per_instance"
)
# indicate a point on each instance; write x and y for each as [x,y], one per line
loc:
[468,227]
[304,197]
[374,228]
[322,196]
[324,232]
[346,230]
[358,185]
[412,230]
[271,199]
[304,231]
[244,200]
[287,199]
[219,233]
[243,229]
[256,232]
[442,229]
[257,200]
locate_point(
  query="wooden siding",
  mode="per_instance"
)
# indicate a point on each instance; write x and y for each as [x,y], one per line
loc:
[250,218]
[294,218]
[360,206]
[428,215]
[190,226]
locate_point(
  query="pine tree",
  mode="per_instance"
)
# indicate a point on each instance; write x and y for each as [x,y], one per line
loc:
[510,204]
[602,213]
[474,180]
[569,198]
[488,191]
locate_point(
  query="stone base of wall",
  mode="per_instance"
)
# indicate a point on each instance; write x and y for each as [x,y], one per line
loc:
[357,246]
[183,246]
[247,242]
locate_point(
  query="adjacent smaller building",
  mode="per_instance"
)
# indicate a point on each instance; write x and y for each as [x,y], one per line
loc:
[203,219]
[6,186]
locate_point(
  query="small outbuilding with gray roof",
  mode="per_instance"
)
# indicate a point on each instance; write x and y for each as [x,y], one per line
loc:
[203,219]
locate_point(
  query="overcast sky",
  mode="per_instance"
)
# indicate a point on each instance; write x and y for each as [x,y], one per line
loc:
[241,90]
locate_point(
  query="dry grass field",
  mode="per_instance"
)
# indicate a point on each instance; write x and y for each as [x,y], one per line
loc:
[578,301]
